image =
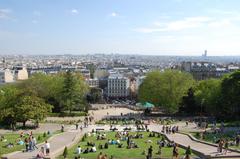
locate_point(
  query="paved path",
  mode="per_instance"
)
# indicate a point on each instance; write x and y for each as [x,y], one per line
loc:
[185,140]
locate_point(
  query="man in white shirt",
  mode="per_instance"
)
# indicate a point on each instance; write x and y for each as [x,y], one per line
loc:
[79,150]
[94,149]
[47,147]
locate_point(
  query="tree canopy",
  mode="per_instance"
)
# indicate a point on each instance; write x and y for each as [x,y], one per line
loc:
[165,89]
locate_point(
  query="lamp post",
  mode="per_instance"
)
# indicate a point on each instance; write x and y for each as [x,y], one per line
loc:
[202,102]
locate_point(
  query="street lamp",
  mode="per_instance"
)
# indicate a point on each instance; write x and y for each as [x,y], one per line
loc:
[202,102]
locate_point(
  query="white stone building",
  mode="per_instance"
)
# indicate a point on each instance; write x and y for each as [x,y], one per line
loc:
[6,76]
[118,86]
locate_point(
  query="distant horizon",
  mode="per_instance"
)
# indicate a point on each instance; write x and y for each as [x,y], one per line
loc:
[124,54]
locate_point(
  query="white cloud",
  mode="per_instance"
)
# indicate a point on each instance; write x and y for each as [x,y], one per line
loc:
[220,23]
[178,25]
[5,13]
[74,11]
[114,14]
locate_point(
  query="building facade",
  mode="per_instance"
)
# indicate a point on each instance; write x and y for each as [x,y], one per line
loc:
[118,86]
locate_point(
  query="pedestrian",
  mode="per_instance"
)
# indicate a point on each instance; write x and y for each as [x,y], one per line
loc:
[34,143]
[226,144]
[81,128]
[221,143]
[175,151]
[160,150]
[47,147]
[62,128]
[188,153]
[76,126]
[237,140]
[30,147]
[26,144]
[149,155]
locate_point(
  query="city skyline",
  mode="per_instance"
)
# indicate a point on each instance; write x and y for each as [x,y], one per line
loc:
[174,27]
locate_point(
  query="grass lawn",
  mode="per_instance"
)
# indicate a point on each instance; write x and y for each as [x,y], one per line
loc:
[116,152]
[12,138]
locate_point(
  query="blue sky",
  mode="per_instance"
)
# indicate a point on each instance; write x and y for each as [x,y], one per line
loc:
[156,27]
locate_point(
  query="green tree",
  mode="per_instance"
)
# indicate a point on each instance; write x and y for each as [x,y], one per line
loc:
[31,107]
[188,104]
[165,89]
[208,94]
[8,99]
[48,87]
[73,92]
[230,91]
[92,69]
[95,95]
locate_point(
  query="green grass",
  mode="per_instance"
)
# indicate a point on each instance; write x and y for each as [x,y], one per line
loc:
[12,138]
[116,152]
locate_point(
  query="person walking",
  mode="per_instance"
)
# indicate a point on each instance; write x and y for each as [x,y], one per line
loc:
[62,128]
[175,151]
[188,153]
[26,144]
[226,145]
[76,126]
[237,140]
[149,155]
[47,147]
[34,143]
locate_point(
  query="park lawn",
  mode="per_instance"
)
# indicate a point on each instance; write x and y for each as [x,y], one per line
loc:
[116,152]
[12,137]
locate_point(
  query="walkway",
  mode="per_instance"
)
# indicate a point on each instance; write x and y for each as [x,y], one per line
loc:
[184,140]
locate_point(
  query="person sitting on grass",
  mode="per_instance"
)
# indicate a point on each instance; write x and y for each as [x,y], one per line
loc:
[90,144]
[40,154]
[106,145]
[93,149]
[86,150]
[79,150]
[104,157]
[19,142]
[150,135]
[9,145]
[100,155]
[100,146]
[120,145]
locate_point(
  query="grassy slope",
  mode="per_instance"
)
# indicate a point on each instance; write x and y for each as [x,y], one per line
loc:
[12,137]
[124,152]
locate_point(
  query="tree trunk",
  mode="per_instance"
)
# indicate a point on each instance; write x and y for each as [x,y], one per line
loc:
[24,124]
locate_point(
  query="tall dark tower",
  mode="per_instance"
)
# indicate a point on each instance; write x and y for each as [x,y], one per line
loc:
[4,62]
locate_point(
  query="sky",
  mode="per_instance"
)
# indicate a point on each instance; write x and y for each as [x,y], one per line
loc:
[150,27]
